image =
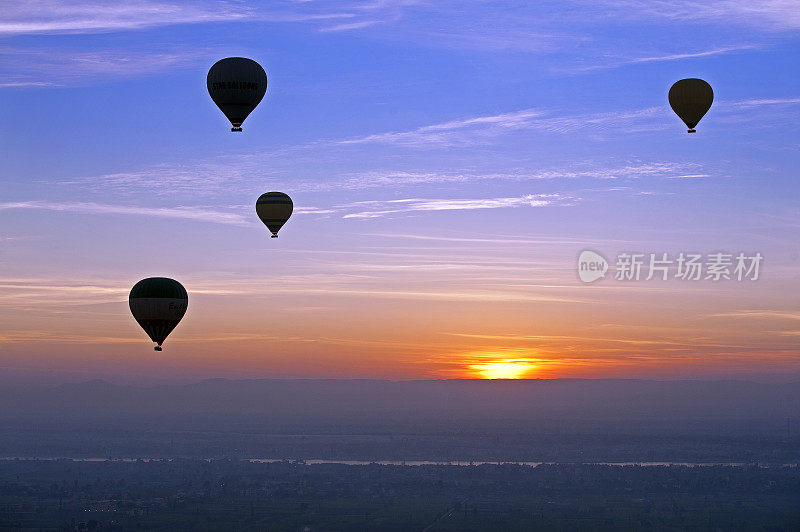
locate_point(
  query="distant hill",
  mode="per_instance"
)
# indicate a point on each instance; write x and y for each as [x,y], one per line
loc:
[416,401]
[547,420]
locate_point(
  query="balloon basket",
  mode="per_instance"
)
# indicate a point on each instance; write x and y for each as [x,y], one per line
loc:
[235,129]
[692,131]
[157,348]
[274,236]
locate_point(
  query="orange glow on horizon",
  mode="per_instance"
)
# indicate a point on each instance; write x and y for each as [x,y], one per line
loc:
[503,369]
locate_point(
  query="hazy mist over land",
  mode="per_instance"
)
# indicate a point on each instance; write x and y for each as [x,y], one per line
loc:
[514,420]
[436,400]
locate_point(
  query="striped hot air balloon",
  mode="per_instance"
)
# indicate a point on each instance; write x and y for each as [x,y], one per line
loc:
[158,304]
[274,208]
[237,85]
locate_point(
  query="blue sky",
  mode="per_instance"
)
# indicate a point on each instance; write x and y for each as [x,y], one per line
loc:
[435,151]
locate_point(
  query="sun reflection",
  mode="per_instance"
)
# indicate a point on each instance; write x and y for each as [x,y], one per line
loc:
[503,369]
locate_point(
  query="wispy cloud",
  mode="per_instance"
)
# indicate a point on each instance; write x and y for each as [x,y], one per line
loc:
[86,16]
[500,26]
[45,67]
[494,239]
[760,102]
[765,314]
[221,174]
[683,341]
[443,134]
[52,295]
[586,170]
[313,210]
[187,213]
[603,64]
[234,216]
[42,66]
[16,238]
[689,176]
[347,26]
[496,26]
[767,14]
[33,292]
[64,16]
[377,209]
[199,177]
[480,130]
[771,112]
[443,24]
[692,55]
[483,129]
[27,84]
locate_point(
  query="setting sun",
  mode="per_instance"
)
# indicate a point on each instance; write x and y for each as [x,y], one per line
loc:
[504,369]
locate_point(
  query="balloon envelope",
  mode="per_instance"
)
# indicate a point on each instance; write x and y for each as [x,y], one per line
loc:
[237,85]
[691,99]
[158,304]
[274,208]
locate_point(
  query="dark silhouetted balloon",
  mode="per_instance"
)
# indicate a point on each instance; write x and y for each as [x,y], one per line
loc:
[274,208]
[691,99]
[236,85]
[158,304]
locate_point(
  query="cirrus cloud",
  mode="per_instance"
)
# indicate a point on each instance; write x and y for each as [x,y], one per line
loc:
[376,209]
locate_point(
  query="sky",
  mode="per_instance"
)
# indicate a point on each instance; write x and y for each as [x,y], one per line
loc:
[448,162]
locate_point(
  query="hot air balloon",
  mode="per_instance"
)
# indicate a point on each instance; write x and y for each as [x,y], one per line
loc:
[237,85]
[691,99]
[274,208]
[158,304]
